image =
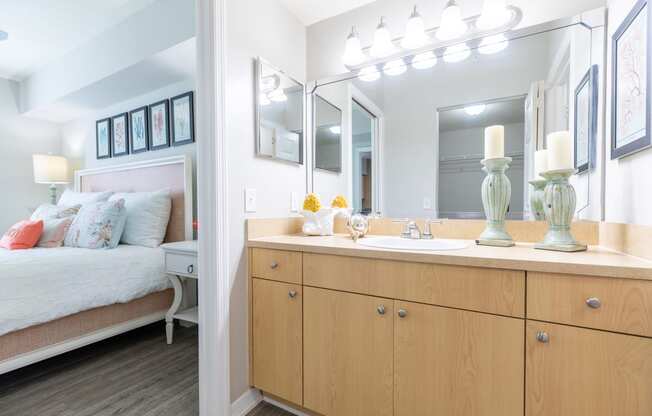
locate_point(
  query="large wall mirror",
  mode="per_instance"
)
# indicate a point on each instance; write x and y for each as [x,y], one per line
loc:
[279,114]
[328,135]
[413,134]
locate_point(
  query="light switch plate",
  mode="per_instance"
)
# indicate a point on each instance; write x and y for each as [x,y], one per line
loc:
[294,202]
[250,200]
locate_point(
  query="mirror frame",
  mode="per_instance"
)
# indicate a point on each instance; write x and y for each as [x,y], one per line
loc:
[314,134]
[258,64]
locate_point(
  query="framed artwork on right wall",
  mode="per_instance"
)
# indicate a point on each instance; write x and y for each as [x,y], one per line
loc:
[630,83]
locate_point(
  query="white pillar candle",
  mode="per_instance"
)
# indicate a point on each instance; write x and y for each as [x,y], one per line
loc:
[494,142]
[540,162]
[560,155]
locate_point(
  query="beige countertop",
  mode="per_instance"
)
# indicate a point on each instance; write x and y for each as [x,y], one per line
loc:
[597,261]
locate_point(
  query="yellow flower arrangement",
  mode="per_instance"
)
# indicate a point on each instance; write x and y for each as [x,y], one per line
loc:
[311,203]
[339,202]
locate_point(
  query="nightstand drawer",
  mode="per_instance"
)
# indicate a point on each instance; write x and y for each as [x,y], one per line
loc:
[182,264]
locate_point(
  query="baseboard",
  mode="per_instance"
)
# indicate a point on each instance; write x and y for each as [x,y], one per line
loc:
[284,406]
[246,402]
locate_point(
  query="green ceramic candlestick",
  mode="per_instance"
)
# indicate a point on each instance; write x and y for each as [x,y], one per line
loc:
[496,193]
[559,205]
[536,198]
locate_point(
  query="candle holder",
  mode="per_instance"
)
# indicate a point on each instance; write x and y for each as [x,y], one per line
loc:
[536,198]
[496,192]
[559,205]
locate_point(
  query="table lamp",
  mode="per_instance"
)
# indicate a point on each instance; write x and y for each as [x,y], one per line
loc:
[51,170]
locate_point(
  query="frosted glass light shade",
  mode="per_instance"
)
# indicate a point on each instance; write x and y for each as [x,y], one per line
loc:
[494,14]
[383,45]
[369,74]
[452,26]
[50,169]
[424,60]
[415,32]
[456,53]
[395,67]
[493,44]
[353,54]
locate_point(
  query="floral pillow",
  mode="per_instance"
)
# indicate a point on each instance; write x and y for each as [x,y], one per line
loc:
[98,225]
[49,211]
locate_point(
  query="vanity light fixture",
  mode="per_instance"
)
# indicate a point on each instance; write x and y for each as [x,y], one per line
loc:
[263,99]
[452,25]
[456,53]
[3,35]
[278,95]
[353,51]
[424,60]
[494,15]
[336,129]
[383,45]
[474,110]
[369,74]
[415,32]
[395,67]
[493,44]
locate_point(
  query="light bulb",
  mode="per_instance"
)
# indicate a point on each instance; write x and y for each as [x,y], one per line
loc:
[395,67]
[474,110]
[353,51]
[494,14]
[456,53]
[369,74]
[278,95]
[493,44]
[383,45]
[336,129]
[452,26]
[424,60]
[415,32]
[263,100]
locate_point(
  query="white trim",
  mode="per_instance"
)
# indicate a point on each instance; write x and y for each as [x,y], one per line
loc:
[246,403]
[32,357]
[212,189]
[173,160]
[284,407]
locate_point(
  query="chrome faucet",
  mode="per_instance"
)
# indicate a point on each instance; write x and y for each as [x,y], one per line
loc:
[412,231]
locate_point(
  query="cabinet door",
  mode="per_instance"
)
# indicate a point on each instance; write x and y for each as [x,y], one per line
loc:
[582,372]
[276,332]
[457,363]
[347,353]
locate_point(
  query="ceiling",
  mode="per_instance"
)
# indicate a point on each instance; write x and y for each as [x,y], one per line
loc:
[501,112]
[35,29]
[313,11]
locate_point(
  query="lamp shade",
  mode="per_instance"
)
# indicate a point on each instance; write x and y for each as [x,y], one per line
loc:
[50,169]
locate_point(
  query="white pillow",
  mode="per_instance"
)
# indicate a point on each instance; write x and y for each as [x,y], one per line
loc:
[49,211]
[70,198]
[148,214]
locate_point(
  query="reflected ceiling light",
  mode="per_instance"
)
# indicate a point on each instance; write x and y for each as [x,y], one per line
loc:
[415,32]
[424,60]
[383,45]
[278,95]
[336,129]
[494,14]
[3,35]
[493,44]
[474,110]
[456,53]
[369,74]
[353,51]
[263,100]
[395,67]
[452,26]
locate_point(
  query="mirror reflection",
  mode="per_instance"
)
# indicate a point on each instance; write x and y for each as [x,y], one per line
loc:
[328,135]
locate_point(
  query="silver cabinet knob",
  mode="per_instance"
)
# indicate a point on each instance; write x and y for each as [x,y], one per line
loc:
[381,309]
[402,313]
[543,337]
[292,294]
[273,265]
[593,303]
[190,269]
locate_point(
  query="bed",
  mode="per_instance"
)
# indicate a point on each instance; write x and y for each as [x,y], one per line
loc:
[55,300]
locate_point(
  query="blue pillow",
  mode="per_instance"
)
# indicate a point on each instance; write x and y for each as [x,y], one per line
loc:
[98,225]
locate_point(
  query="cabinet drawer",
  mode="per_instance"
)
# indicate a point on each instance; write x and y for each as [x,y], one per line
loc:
[484,290]
[182,264]
[620,305]
[283,266]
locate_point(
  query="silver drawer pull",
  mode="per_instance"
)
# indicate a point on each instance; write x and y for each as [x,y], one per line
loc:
[593,303]
[381,309]
[292,294]
[402,313]
[274,265]
[543,337]
[190,269]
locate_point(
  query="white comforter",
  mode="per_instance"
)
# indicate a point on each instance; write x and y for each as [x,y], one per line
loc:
[44,284]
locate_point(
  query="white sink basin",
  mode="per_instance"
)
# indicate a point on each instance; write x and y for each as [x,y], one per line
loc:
[398,243]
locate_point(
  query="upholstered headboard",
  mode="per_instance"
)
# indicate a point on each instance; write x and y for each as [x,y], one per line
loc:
[174,173]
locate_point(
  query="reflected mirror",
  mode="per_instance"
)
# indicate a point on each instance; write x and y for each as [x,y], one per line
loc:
[279,114]
[328,135]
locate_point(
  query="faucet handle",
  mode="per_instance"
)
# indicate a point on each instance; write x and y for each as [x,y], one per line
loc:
[406,228]
[427,233]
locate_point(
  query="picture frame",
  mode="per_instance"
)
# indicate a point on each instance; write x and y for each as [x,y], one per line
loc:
[586,120]
[103,138]
[159,125]
[182,119]
[139,130]
[630,83]
[120,135]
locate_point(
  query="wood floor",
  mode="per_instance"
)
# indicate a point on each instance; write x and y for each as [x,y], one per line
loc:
[134,374]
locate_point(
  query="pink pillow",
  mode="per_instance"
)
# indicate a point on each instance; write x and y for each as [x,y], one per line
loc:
[54,232]
[23,235]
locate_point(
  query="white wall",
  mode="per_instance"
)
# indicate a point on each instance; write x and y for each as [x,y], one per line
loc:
[267,29]
[20,138]
[628,180]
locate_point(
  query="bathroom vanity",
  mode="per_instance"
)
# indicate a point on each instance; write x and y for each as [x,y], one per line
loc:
[340,329]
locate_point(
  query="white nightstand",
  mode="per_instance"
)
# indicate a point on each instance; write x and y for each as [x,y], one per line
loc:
[180,265]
